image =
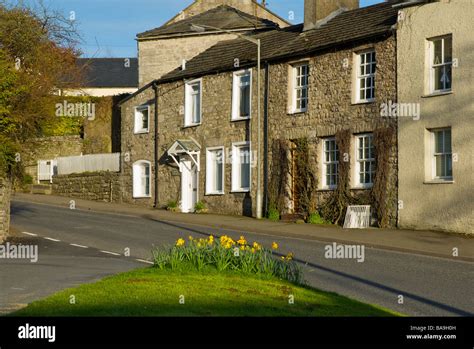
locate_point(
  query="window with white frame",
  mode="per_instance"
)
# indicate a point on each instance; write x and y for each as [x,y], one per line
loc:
[442,154]
[330,163]
[365,160]
[241,95]
[193,101]
[215,171]
[366,65]
[142,119]
[141,179]
[241,160]
[300,88]
[441,64]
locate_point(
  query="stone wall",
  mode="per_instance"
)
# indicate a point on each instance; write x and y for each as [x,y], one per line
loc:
[137,147]
[48,148]
[331,108]
[5,194]
[97,186]
[160,56]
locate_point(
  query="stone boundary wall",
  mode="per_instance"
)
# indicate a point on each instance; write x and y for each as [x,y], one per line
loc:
[95,186]
[5,196]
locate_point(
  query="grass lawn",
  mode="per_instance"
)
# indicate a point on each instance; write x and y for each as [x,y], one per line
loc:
[154,292]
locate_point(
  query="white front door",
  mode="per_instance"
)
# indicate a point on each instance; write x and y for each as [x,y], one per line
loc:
[189,186]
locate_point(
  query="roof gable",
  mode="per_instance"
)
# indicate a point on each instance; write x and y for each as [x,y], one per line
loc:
[223,16]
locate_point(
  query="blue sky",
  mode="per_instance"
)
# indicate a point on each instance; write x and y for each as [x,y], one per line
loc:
[108,27]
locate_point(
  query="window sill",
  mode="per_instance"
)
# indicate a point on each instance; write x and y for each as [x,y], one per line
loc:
[363,102]
[439,181]
[142,197]
[141,132]
[239,191]
[192,125]
[297,113]
[214,194]
[239,119]
[436,94]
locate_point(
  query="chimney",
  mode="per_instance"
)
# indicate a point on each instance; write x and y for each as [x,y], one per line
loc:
[317,10]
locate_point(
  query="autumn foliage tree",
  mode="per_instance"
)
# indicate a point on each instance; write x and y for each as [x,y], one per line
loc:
[37,57]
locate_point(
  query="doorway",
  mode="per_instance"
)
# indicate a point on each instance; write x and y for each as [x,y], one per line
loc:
[189,186]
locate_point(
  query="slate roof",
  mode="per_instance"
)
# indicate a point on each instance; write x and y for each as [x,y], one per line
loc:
[349,26]
[223,16]
[108,72]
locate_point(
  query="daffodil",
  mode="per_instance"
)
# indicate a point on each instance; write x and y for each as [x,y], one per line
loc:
[257,246]
[242,241]
[210,240]
[252,250]
[190,238]
[180,242]
[289,256]
[274,246]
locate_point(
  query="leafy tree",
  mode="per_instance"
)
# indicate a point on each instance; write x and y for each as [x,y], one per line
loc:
[37,57]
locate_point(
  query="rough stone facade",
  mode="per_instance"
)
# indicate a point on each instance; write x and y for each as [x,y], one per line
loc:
[160,56]
[97,186]
[331,108]
[5,195]
[136,147]
[49,148]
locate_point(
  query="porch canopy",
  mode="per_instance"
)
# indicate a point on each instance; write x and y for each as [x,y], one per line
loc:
[185,147]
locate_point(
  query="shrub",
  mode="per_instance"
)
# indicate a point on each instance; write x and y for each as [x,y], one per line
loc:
[172,206]
[273,214]
[225,254]
[315,218]
[200,207]
[27,179]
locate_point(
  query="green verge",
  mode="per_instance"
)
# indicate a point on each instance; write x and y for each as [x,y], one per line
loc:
[154,292]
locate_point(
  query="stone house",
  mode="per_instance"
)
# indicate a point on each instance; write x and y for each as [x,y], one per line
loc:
[436,76]
[162,49]
[323,136]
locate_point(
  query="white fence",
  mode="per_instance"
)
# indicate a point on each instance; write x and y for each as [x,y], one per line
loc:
[88,163]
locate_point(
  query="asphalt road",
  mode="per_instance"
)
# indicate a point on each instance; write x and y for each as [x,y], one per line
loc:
[430,286]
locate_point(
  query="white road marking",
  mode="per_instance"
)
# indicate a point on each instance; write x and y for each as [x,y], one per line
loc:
[112,253]
[30,234]
[144,261]
[51,239]
[76,245]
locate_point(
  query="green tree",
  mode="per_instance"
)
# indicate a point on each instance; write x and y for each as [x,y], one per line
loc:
[37,57]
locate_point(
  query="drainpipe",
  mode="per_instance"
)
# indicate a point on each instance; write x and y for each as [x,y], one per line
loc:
[265,139]
[156,202]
